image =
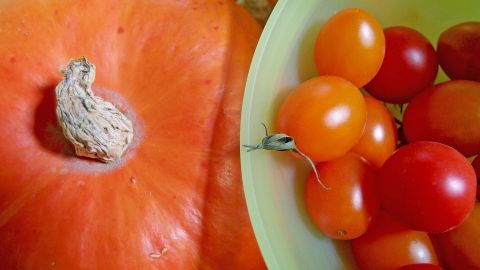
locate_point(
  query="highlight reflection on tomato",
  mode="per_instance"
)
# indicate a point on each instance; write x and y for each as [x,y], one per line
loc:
[325,115]
[379,138]
[428,186]
[410,66]
[389,245]
[351,45]
[345,211]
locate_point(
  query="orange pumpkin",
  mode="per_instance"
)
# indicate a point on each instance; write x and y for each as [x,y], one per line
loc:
[174,201]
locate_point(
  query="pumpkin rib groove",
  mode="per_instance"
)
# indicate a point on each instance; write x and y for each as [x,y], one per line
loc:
[224,186]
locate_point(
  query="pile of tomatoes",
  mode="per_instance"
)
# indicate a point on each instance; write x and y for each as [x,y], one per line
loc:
[402,190]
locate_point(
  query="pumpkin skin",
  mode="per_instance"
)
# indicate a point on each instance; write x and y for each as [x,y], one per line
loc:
[177,68]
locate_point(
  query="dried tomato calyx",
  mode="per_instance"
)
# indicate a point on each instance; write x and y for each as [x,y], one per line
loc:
[283,142]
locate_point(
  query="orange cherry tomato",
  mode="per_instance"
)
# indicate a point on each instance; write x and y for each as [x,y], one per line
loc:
[459,248]
[325,116]
[351,45]
[390,245]
[379,138]
[344,211]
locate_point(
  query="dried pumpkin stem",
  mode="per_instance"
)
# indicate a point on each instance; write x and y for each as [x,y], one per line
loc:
[95,127]
[283,142]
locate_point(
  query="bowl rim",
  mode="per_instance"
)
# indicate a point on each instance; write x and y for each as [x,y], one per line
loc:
[256,219]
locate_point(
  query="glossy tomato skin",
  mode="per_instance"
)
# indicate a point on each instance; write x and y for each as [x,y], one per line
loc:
[379,138]
[428,186]
[325,115]
[459,51]
[410,66]
[345,211]
[448,113]
[389,245]
[420,266]
[459,247]
[350,45]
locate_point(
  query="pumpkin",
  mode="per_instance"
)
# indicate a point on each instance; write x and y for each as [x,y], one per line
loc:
[174,200]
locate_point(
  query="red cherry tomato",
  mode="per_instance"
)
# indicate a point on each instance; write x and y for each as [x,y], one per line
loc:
[448,113]
[410,66]
[379,138]
[459,51]
[428,186]
[344,211]
[389,245]
[476,167]
[325,115]
[420,266]
[350,45]
[459,248]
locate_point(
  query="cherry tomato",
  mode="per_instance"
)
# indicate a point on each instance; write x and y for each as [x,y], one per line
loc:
[350,45]
[325,115]
[420,266]
[459,247]
[428,186]
[344,211]
[448,113]
[459,51]
[379,137]
[389,245]
[410,66]
[476,167]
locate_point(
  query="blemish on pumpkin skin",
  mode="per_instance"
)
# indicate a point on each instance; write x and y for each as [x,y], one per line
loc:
[207,82]
[12,60]
[158,255]
[216,28]
[133,180]
[120,30]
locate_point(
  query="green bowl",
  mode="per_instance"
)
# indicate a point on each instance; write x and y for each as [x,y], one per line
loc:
[273,182]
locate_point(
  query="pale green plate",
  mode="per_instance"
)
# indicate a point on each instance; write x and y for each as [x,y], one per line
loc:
[274,182]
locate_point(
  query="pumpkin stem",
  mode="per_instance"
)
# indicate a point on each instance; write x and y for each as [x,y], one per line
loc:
[95,127]
[283,142]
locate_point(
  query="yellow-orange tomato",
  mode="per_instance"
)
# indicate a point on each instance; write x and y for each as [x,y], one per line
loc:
[325,115]
[351,45]
[379,138]
[345,211]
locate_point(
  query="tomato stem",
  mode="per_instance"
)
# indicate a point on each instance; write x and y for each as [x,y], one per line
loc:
[283,142]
